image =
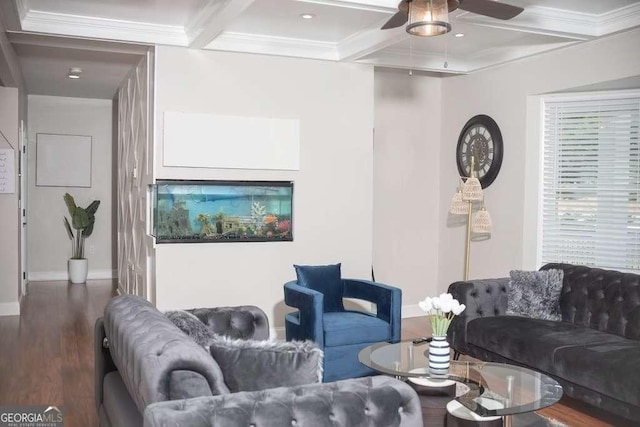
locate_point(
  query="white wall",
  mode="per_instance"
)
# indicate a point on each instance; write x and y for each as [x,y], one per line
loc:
[48,245]
[9,240]
[507,94]
[333,188]
[406,204]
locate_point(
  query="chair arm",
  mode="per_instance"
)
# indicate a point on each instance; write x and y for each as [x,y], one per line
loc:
[483,298]
[388,300]
[372,401]
[309,305]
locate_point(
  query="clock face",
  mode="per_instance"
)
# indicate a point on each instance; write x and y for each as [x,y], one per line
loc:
[481,141]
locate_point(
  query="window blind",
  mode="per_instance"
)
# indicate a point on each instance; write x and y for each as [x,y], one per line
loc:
[591,182]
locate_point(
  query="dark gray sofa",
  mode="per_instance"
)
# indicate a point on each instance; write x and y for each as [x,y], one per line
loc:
[149,372]
[594,352]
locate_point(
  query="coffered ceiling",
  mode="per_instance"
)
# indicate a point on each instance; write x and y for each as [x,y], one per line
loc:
[340,30]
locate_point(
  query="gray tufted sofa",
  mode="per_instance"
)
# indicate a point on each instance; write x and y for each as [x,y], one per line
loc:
[150,373]
[594,352]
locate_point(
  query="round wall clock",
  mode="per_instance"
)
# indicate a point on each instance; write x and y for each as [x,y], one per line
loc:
[481,139]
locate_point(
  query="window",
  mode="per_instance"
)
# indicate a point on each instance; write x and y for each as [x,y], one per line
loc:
[591,180]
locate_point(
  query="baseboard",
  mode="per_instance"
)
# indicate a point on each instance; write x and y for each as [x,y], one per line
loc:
[412,310]
[9,309]
[41,276]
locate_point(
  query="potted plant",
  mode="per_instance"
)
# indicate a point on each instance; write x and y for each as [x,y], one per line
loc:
[82,221]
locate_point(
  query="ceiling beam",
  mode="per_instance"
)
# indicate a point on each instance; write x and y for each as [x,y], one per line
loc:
[10,73]
[68,42]
[543,21]
[388,6]
[420,61]
[368,41]
[212,19]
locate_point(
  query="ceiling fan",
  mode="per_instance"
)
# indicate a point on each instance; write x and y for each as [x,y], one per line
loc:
[430,17]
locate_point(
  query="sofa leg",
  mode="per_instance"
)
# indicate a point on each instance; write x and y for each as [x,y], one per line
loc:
[456,355]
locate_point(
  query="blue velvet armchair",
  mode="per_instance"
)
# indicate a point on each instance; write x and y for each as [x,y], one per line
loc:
[339,332]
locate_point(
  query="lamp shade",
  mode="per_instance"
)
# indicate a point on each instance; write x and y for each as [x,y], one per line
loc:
[472,189]
[482,222]
[458,206]
[428,18]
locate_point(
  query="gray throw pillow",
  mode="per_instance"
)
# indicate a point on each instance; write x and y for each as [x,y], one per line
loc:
[251,365]
[535,294]
[192,326]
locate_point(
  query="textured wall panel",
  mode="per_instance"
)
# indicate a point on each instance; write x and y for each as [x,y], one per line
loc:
[135,246]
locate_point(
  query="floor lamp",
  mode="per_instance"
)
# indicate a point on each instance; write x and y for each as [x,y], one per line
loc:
[469,200]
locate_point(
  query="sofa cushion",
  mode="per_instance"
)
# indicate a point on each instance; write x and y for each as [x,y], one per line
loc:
[531,342]
[325,279]
[612,368]
[250,365]
[535,294]
[353,328]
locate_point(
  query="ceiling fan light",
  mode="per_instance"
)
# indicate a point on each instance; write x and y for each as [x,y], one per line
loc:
[428,18]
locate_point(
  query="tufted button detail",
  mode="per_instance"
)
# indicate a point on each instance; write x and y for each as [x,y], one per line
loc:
[479,312]
[474,294]
[159,353]
[294,422]
[401,409]
[488,290]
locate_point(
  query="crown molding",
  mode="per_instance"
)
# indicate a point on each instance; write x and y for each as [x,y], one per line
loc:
[369,41]
[422,62]
[385,6]
[91,27]
[23,8]
[542,20]
[620,19]
[270,45]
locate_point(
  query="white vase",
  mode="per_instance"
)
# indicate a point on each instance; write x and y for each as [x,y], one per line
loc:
[78,269]
[439,356]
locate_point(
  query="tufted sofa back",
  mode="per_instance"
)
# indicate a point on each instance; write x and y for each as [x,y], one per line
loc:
[605,300]
[151,353]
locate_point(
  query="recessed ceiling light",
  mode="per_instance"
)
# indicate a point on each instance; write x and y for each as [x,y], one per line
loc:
[459,35]
[74,73]
[307,16]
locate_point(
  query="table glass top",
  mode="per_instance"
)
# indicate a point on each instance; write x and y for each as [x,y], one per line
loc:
[493,388]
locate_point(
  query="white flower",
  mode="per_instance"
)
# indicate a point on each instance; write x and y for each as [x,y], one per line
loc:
[426,305]
[436,303]
[459,309]
[446,297]
[446,305]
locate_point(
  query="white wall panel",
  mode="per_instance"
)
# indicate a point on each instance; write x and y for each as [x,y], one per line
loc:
[230,142]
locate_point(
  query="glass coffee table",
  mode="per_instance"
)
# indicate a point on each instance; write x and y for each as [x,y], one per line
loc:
[481,391]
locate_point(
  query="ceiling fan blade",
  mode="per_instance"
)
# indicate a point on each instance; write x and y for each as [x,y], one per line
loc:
[400,18]
[491,8]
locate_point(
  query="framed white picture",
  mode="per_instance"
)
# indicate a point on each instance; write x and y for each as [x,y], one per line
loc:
[63,160]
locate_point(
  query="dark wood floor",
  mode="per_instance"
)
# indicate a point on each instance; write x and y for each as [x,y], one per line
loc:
[46,354]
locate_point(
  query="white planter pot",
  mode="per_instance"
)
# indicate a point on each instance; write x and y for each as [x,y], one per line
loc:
[78,269]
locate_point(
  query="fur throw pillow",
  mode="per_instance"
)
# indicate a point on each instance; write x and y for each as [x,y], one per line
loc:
[535,294]
[250,365]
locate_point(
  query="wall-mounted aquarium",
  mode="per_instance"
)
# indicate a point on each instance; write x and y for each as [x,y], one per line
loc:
[222,211]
